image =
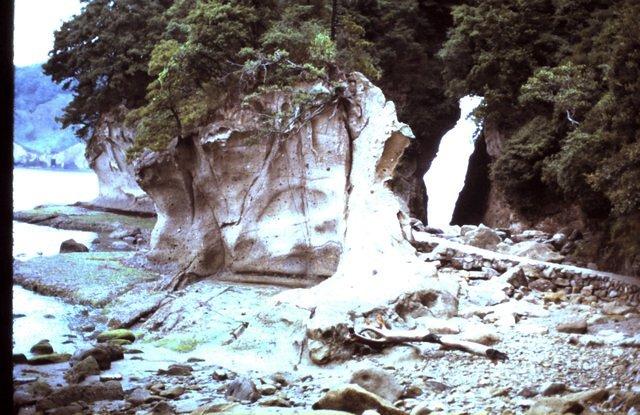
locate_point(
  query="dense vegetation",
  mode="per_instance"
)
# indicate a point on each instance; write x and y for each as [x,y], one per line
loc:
[38,102]
[172,63]
[561,80]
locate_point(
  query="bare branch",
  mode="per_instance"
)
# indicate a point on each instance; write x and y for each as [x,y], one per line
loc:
[383,338]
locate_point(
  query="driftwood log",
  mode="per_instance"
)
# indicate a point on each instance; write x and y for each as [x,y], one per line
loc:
[379,338]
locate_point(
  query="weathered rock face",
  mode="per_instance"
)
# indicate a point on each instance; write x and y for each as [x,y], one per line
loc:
[106,153]
[235,198]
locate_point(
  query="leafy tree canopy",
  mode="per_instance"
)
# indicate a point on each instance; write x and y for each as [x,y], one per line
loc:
[101,55]
[171,63]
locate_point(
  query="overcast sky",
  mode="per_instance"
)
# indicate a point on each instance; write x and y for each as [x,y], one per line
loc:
[35,22]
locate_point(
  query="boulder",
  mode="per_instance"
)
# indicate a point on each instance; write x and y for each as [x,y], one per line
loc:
[482,237]
[48,359]
[176,370]
[242,389]
[573,403]
[140,396]
[379,382]
[558,240]
[100,391]
[578,326]
[553,388]
[42,347]
[541,284]
[71,245]
[116,334]
[356,400]
[515,277]
[78,372]
[488,293]
[103,353]
[173,393]
[613,309]
[120,246]
[534,250]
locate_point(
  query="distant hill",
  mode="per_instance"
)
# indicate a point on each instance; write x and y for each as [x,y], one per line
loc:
[38,101]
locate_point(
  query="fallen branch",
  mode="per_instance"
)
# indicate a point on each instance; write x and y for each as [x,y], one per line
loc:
[384,338]
[235,333]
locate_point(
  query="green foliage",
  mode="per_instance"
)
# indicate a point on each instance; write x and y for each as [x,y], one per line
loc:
[575,63]
[172,63]
[101,55]
[570,88]
[518,170]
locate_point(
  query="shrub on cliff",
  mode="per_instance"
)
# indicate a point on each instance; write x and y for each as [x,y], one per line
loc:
[101,55]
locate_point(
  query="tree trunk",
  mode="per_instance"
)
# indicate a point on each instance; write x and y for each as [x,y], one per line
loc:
[334,19]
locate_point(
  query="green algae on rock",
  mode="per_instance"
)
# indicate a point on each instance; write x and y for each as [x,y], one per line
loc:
[94,278]
[82,219]
[48,359]
[121,334]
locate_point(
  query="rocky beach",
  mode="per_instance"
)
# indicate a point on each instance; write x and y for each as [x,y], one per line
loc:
[212,308]
[129,346]
[361,207]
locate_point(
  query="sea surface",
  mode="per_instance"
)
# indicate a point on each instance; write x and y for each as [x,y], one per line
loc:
[35,187]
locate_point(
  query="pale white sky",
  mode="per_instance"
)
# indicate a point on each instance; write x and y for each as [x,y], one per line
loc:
[35,22]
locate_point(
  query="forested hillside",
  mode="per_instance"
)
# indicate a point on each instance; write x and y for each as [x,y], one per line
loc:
[561,81]
[38,102]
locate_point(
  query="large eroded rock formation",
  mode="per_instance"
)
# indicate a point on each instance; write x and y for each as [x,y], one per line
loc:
[236,198]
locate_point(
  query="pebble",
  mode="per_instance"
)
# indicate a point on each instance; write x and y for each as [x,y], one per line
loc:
[176,370]
[173,393]
[574,327]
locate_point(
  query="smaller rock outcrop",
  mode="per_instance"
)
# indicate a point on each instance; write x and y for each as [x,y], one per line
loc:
[70,245]
[107,156]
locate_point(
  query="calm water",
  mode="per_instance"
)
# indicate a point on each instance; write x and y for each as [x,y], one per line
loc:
[45,317]
[34,187]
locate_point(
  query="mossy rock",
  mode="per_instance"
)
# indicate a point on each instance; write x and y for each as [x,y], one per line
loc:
[49,359]
[43,347]
[119,342]
[122,334]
